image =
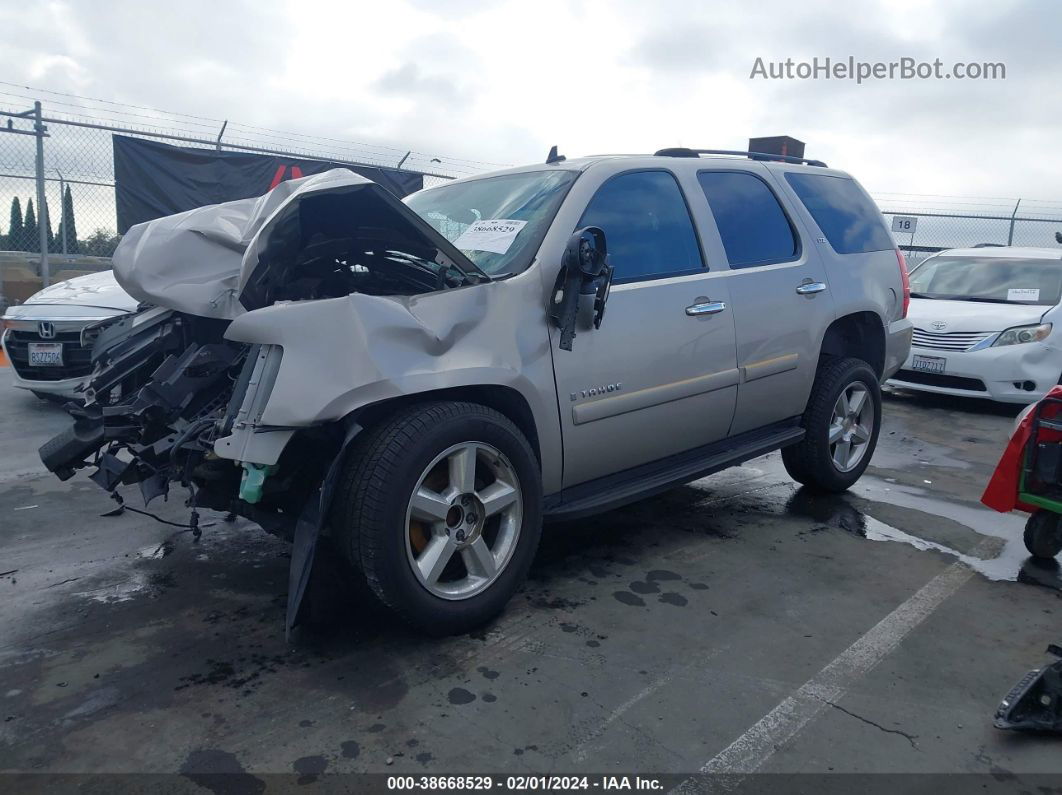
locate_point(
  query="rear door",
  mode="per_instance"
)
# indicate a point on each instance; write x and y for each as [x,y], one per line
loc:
[659,377]
[781,298]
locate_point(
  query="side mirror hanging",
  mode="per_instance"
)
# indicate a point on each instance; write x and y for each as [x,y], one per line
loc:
[584,271]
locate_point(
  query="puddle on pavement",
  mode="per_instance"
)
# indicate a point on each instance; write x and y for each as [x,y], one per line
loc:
[996,548]
[990,543]
[157,551]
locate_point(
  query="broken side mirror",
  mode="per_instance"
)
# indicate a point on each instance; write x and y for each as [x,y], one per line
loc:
[585,277]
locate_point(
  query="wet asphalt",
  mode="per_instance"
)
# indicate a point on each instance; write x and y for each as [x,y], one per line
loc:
[734,621]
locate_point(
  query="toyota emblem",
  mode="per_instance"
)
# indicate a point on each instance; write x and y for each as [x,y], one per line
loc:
[46,329]
[940,325]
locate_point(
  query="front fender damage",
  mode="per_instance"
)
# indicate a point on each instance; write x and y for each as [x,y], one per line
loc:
[247,416]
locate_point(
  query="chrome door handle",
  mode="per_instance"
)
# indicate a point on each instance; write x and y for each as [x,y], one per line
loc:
[710,308]
[810,288]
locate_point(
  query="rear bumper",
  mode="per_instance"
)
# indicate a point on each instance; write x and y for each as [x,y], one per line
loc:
[897,346]
[1000,374]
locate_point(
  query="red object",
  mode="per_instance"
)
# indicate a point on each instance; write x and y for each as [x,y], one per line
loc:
[279,177]
[1001,493]
[905,280]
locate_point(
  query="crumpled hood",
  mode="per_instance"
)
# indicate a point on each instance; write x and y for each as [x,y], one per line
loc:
[971,316]
[199,261]
[99,290]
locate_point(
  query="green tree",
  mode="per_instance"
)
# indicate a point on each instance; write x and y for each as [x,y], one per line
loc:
[31,234]
[14,226]
[100,243]
[47,220]
[69,227]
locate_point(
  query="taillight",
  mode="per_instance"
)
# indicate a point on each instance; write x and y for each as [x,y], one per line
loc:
[905,280]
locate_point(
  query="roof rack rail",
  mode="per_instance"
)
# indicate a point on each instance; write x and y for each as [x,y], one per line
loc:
[681,151]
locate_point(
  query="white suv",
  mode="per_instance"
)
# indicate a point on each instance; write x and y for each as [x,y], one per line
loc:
[985,324]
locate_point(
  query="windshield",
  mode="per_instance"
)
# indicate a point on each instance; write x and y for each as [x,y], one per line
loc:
[521,207]
[991,279]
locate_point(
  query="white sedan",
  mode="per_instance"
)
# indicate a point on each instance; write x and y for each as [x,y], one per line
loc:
[986,324]
[42,337]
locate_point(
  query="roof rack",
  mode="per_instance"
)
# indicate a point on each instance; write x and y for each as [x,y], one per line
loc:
[681,151]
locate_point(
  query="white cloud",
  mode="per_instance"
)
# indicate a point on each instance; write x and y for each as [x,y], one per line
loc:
[502,81]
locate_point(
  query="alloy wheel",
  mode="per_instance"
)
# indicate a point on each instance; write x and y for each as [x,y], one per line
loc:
[851,427]
[463,520]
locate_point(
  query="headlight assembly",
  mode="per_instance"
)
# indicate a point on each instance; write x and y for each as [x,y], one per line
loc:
[1020,334]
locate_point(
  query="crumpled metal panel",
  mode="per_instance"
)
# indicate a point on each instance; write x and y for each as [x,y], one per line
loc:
[341,354]
[198,261]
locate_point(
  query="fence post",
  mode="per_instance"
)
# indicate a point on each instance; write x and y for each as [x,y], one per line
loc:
[42,201]
[1010,234]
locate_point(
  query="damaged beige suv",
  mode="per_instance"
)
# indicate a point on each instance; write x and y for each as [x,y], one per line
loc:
[414,387]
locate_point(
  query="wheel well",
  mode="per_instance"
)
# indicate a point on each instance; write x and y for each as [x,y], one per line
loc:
[861,335]
[502,399]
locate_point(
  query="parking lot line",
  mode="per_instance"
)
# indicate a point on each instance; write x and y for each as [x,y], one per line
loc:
[749,752]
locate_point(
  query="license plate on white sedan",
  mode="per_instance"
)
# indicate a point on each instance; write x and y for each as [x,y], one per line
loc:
[929,364]
[46,354]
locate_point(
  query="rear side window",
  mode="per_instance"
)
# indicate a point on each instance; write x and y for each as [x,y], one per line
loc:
[647,226]
[843,212]
[754,228]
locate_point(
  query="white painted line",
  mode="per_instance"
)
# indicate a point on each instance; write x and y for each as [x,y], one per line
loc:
[749,752]
[582,749]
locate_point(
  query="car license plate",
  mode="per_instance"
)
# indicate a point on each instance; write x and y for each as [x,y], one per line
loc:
[46,354]
[929,364]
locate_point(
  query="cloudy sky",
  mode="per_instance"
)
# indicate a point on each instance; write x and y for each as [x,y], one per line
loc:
[500,82]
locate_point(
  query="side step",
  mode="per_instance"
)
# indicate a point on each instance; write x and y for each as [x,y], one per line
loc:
[614,491]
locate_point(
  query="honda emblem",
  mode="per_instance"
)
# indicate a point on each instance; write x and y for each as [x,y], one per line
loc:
[46,329]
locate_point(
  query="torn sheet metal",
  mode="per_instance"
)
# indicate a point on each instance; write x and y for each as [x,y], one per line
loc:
[395,346]
[199,262]
[1035,703]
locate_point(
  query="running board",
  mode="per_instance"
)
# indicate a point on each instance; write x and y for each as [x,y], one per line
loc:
[614,491]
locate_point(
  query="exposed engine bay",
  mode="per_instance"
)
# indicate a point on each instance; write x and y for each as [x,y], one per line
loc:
[167,385]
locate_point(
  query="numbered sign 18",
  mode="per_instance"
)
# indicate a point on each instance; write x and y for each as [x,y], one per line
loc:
[904,223]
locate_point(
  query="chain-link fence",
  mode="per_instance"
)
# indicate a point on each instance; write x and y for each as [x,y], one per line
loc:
[57,154]
[923,225]
[57,185]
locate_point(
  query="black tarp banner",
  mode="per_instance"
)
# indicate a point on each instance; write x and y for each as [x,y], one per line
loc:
[153,179]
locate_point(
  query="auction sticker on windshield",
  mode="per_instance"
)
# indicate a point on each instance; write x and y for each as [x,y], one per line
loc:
[1023,294]
[495,235]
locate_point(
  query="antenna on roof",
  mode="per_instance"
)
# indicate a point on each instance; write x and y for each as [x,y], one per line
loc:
[553,157]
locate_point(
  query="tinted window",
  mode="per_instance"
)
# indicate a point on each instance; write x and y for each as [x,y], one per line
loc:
[647,226]
[752,224]
[843,212]
[992,279]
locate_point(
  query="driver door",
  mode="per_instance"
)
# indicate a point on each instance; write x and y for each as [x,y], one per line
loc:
[660,375]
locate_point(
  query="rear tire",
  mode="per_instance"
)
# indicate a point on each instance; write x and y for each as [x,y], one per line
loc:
[1043,535]
[841,421]
[451,559]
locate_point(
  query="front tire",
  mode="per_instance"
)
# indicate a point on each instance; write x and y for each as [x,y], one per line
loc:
[440,506]
[841,423]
